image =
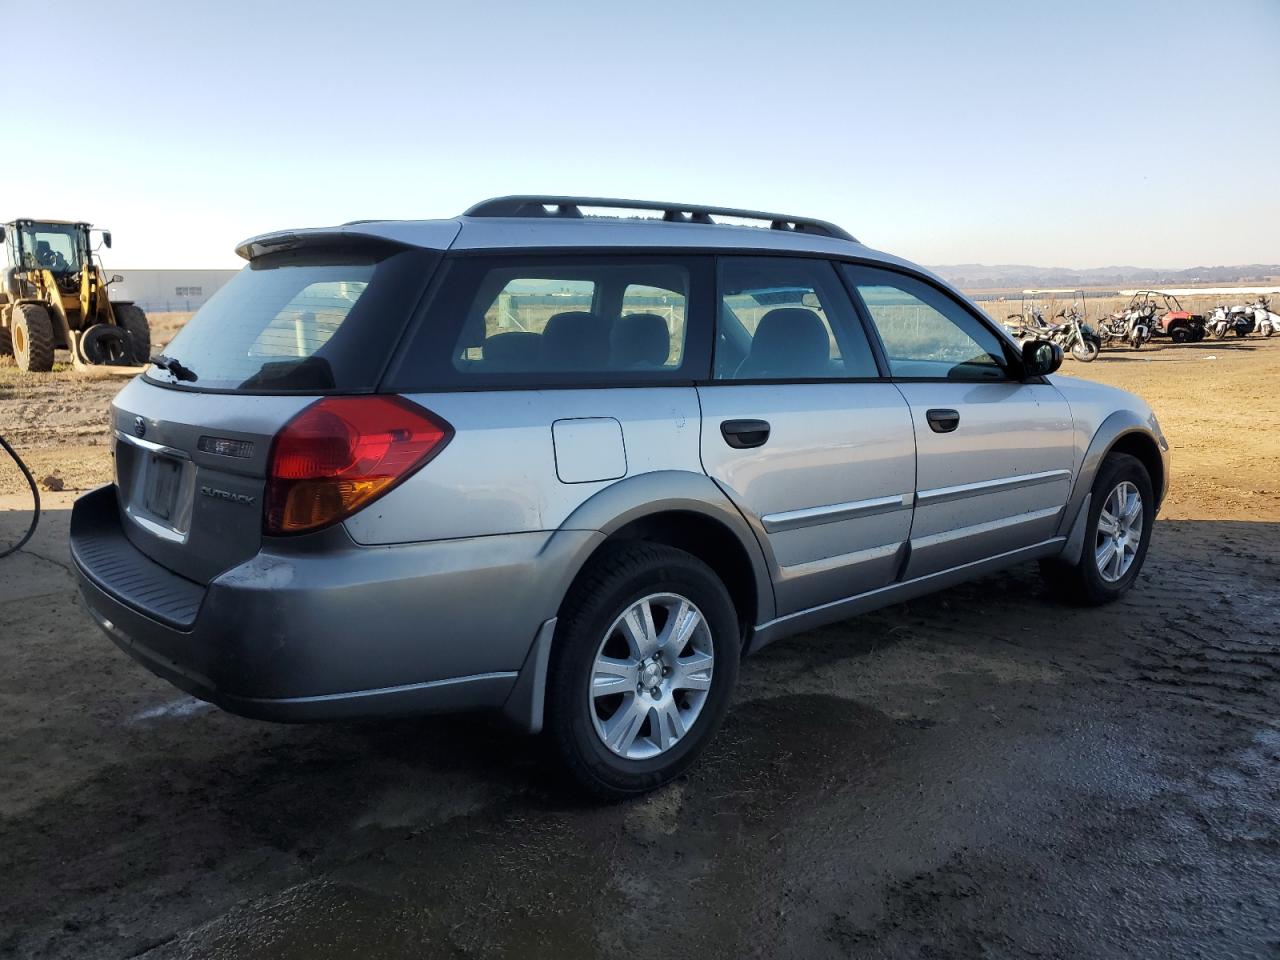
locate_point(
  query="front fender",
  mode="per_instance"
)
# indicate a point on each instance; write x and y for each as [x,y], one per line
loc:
[1115,427]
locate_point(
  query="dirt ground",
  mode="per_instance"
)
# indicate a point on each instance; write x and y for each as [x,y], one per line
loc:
[58,420]
[981,773]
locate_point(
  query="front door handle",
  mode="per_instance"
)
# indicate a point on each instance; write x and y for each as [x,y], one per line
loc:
[741,434]
[943,421]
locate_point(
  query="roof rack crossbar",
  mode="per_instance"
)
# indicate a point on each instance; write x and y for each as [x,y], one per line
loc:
[571,208]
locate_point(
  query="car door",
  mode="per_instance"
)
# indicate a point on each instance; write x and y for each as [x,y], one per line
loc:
[803,434]
[994,455]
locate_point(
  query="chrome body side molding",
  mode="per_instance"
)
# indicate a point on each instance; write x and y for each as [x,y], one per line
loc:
[963,490]
[812,516]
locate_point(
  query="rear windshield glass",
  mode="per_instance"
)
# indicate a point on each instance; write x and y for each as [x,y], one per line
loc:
[303,322]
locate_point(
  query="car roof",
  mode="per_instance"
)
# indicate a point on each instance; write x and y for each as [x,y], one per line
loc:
[491,225]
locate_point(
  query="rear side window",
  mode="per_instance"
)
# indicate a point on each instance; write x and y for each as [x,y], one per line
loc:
[301,322]
[783,318]
[535,321]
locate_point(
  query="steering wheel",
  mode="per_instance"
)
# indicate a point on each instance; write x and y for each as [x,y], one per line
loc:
[47,258]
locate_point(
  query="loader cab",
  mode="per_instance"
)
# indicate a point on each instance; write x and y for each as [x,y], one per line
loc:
[62,248]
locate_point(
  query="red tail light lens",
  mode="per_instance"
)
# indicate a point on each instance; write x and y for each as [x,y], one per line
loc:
[342,452]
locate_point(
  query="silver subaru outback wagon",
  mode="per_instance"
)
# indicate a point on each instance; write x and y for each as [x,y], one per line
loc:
[571,467]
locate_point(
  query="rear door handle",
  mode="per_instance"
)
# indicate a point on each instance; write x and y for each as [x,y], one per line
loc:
[943,421]
[741,434]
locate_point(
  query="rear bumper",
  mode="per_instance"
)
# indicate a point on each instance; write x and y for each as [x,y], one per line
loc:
[318,628]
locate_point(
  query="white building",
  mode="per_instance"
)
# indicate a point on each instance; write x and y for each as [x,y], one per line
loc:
[168,291]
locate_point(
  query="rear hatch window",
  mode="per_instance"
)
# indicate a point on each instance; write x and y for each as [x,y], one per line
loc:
[303,321]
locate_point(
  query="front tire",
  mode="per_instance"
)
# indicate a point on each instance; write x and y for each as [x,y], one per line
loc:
[643,665]
[32,333]
[1117,534]
[1086,351]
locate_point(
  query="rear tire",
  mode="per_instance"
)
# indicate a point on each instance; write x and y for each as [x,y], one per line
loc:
[1096,578]
[32,334]
[601,686]
[138,327]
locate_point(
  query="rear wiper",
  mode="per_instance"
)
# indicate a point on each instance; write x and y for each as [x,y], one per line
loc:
[174,366]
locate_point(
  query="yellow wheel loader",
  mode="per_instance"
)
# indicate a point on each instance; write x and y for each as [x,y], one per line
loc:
[53,295]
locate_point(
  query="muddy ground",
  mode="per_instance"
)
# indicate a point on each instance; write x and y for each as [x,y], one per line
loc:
[983,773]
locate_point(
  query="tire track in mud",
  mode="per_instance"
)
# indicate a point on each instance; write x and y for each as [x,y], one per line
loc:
[1213,639]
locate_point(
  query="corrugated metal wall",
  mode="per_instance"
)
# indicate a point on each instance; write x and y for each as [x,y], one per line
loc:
[168,291]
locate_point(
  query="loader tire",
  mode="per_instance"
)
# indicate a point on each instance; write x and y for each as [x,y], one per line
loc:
[105,344]
[138,328]
[32,333]
[6,341]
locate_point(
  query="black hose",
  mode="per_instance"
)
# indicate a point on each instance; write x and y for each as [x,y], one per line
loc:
[35,496]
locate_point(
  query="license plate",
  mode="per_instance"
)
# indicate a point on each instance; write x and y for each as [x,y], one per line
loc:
[163,474]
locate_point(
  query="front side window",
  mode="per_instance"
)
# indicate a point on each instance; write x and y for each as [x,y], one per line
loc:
[926,334]
[783,318]
[540,321]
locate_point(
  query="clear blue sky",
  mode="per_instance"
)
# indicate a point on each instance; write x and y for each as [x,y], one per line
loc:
[1086,133]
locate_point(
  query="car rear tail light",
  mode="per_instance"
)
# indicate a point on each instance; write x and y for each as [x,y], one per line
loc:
[340,453]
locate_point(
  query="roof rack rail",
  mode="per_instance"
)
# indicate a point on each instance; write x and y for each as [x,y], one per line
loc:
[571,208]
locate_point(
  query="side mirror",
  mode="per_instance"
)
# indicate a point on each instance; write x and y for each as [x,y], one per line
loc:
[1040,357]
[115,278]
[106,239]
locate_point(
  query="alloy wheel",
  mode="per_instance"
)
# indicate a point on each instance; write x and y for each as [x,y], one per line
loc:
[651,676]
[1119,532]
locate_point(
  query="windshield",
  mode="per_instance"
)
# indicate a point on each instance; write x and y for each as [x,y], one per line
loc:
[51,246]
[305,322]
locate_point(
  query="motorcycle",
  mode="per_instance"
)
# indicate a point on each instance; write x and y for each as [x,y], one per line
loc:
[1072,334]
[1138,325]
[1226,320]
[1217,323]
[1264,321]
[1113,326]
[1241,319]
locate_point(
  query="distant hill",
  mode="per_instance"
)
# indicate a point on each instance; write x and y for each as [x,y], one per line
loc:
[977,276]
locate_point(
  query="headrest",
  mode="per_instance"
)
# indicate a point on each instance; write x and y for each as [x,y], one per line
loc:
[640,339]
[575,340]
[789,342]
[512,352]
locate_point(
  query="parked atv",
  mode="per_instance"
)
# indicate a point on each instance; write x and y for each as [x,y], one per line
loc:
[1167,316]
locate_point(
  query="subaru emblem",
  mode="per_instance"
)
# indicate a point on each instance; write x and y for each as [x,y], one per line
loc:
[139,426]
